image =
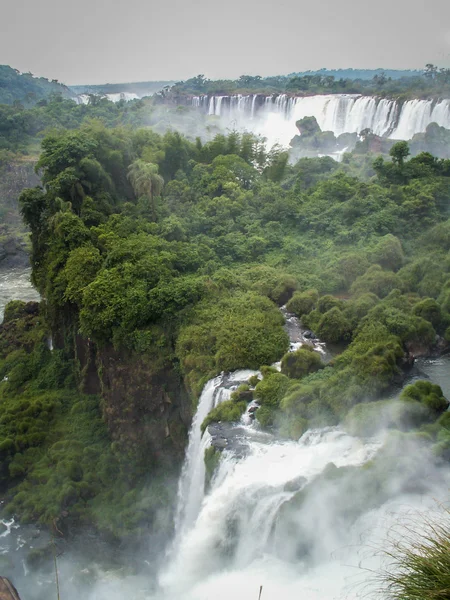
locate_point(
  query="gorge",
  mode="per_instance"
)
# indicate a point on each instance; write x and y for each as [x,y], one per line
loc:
[286,323]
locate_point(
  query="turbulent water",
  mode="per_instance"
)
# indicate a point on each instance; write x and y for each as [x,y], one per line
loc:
[15,284]
[275,116]
[233,537]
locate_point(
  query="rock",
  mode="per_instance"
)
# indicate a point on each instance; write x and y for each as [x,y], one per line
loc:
[295,484]
[7,590]
[31,308]
[309,335]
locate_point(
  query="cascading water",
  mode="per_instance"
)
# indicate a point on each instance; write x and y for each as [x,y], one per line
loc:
[244,532]
[191,487]
[274,117]
[236,520]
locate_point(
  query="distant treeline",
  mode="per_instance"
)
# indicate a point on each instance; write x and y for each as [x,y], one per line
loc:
[431,82]
[141,88]
[26,88]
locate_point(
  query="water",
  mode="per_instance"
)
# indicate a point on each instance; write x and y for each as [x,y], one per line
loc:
[127,96]
[238,535]
[274,117]
[435,369]
[248,494]
[15,284]
[191,487]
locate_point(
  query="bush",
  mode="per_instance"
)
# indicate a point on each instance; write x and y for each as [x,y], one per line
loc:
[226,411]
[327,302]
[271,389]
[388,253]
[375,281]
[302,303]
[429,310]
[428,394]
[301,362]
[333,326]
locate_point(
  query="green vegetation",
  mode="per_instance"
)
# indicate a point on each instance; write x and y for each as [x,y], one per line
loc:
[301,362]
[432,81]
[163,261]
[16,87]
[419,562]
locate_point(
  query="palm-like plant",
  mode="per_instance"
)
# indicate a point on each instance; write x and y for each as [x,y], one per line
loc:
[146,181]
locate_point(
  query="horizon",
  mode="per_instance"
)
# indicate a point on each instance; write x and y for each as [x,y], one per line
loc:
[417,70]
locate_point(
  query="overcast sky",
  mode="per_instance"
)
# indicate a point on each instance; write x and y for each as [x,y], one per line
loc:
[98,41]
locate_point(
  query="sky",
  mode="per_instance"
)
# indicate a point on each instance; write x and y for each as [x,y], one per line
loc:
[99,41]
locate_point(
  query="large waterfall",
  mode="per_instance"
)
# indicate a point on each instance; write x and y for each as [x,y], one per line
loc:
[263,523]
[275,116]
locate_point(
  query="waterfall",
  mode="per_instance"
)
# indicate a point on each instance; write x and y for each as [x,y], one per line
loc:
[191,488]
[246,497]
[275,116]
[262,523]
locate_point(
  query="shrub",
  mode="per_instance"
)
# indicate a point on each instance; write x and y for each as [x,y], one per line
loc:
[327,302]
[388,253]
[271,389]
[333,326]
[300,363]
[302,303]
[428,394]
[375,281]
[429,310]
[226,411]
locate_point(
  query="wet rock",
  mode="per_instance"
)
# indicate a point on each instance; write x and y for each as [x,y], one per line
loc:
[309,335]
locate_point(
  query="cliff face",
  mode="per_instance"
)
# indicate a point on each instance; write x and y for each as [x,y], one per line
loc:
[145,404]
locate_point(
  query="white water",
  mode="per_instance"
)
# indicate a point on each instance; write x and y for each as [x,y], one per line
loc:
[248,494]
[229,541]
[274,117]
[127,96]
[191,487]
[15,284]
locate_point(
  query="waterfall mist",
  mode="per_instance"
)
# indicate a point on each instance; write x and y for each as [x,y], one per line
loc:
[274,117]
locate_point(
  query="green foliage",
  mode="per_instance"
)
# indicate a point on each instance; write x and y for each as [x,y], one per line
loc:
[212,460]
[302,303]
[244,330]
[301,362]
[419,562]
[429,310]
[375,281]
[333,326]
[428,394]
[388,253]
[229,410]
[271,389]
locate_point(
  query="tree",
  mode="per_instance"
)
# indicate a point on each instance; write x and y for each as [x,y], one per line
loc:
[146,181]
[399,152]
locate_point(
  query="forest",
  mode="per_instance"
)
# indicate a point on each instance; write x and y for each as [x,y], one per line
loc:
[172,257]
[431,82]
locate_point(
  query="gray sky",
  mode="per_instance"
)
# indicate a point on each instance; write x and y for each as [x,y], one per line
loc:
[96,41]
